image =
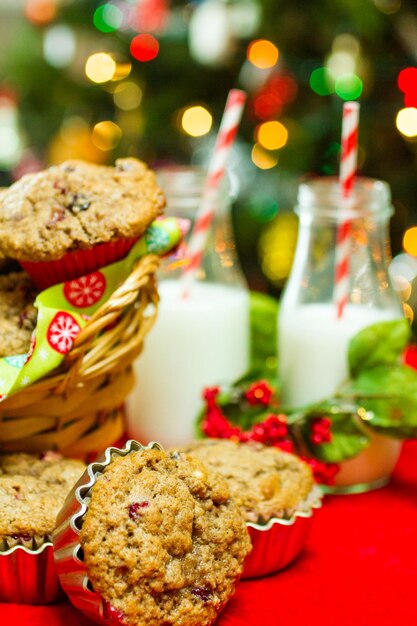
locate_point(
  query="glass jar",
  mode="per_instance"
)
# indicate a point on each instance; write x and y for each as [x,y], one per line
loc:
[313,340]
[198,341]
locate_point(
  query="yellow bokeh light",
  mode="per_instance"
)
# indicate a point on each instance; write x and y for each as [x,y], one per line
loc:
[122,71]
[127,96]
[263,159]
[196,121]
[407,121]
[408,312]
[100,67]
[106,135]
[262,53]
[410,241]
[272,135]
[276,247]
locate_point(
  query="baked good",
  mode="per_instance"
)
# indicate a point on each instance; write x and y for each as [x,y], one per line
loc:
[76,205]
[32,490]
[264,481]
[161,541]
[17,313]
[275,492]
[71,219]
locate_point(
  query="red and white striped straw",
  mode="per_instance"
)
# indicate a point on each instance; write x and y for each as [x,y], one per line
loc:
[227,132]
[348,160]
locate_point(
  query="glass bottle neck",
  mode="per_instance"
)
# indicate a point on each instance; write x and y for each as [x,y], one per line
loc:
[312,278]
[183,188]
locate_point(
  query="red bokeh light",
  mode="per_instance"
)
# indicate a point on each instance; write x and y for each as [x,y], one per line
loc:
[144,47]
[407,80]
[410,99]
[277,91]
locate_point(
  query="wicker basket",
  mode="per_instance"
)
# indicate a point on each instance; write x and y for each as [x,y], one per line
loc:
[79,407]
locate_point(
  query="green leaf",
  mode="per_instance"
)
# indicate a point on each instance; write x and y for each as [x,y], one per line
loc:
[348,438]
[389,394]
[263,320]
[379,344]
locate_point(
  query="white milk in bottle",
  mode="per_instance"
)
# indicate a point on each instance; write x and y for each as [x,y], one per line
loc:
[313,340]
[197,341]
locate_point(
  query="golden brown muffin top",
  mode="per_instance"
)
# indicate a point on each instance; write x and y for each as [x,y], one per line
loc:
[76,205]
[32,491]
[264,481]
[162,542]
[17,313]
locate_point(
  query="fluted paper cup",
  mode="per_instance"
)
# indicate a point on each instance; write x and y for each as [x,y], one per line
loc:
[68,552]
[77,263]
[278,542]
[28,575]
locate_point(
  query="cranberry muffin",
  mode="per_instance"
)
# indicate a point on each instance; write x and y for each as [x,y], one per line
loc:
[17,313]
[161,541]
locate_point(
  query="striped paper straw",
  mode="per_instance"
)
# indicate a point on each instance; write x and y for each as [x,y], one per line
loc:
[348,162]
[227,132]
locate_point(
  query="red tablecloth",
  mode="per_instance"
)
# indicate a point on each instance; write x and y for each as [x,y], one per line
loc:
[358,569]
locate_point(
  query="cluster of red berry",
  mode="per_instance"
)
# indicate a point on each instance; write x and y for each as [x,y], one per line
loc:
[272,431]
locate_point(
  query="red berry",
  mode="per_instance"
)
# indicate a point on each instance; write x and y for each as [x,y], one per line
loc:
[135,509]
[259,393]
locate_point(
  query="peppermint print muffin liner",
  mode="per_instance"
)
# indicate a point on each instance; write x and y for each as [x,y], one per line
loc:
[278,542]
[68,553]
[77,263]
[64,309]
[27,572]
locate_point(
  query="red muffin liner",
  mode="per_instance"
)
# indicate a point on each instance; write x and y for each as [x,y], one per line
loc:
[68,553]
[277,543]
[29,576]
[77,263]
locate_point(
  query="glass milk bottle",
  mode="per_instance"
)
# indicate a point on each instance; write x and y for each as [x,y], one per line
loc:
[313,341]
[198,341]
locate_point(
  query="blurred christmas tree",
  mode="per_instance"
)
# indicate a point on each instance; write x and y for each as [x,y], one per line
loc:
[95,80]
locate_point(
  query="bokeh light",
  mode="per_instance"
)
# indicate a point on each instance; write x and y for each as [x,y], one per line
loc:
[348,86]
[408,312]
[144,47]
[263,208]
[276,247]
[322,81]
[122,71]
[406,121]
[262,158]
[100,67]
[74,141]
[407,79]
[106,135]
[40,12]
[59,45]
[107,18]
[340,63]
[410,241]
[127,96]
[272,135]
[262,53]
[196,121]
[388,6]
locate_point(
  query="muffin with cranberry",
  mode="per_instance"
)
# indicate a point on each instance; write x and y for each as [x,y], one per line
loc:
[158,537]
[32,491]
[275,492]
[17,313]
[70,219]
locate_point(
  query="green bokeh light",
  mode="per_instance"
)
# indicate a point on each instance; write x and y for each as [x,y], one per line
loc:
[349,87]
[263,208]
[322,81]
[107,18]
